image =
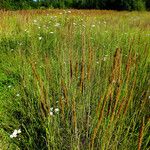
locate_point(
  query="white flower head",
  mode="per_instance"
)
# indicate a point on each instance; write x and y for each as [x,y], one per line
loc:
[56,110]
[14,134]
[11,136]
[40,38]
[18,95]
[51,113]
[104,59]
[9,86]
[51,109]
[35,21]
[19,131]
[51,32]
[57,24]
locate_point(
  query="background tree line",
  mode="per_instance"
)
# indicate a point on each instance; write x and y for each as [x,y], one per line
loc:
[79,4]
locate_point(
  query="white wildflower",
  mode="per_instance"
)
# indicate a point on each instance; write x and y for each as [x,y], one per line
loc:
[51,109]
[51,32]
[19,131]
[51,113]
[57,24]
[11,136]
[14,134]
[9,86]
[93,25]
[18,95]
[56,110]
[40,38]
[35,21]
[69,11]
[104,59]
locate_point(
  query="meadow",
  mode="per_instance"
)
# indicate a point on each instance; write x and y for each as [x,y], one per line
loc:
[74,80]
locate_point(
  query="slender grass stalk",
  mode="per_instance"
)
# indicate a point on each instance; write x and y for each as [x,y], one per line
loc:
[90,57]
[82,65]
[65,93]
[61,103]
[99,119]
[141,135]
[44,107]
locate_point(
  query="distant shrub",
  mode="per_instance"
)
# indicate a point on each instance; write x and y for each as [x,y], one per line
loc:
[138,5]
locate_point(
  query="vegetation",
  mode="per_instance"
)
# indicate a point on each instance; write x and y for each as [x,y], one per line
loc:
[73,79]
[88,4]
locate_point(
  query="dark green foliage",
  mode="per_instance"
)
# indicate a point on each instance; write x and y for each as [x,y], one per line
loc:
[79,4]
[147,4]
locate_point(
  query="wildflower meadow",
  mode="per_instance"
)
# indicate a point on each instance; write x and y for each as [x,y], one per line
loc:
[74,80]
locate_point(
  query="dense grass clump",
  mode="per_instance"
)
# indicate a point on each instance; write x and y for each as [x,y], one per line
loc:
[73,79]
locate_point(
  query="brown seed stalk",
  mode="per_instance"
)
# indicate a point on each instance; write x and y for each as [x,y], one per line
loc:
[140,138]
[44,107]
[65,93]
[61,103]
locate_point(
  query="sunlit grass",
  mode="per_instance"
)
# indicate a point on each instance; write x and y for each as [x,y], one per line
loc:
[74,79]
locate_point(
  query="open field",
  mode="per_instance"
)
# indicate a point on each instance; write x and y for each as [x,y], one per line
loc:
[74,80]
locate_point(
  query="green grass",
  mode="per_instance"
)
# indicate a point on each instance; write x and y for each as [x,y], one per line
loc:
[91,65]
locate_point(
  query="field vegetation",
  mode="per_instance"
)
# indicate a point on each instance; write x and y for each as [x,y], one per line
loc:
[74,80]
